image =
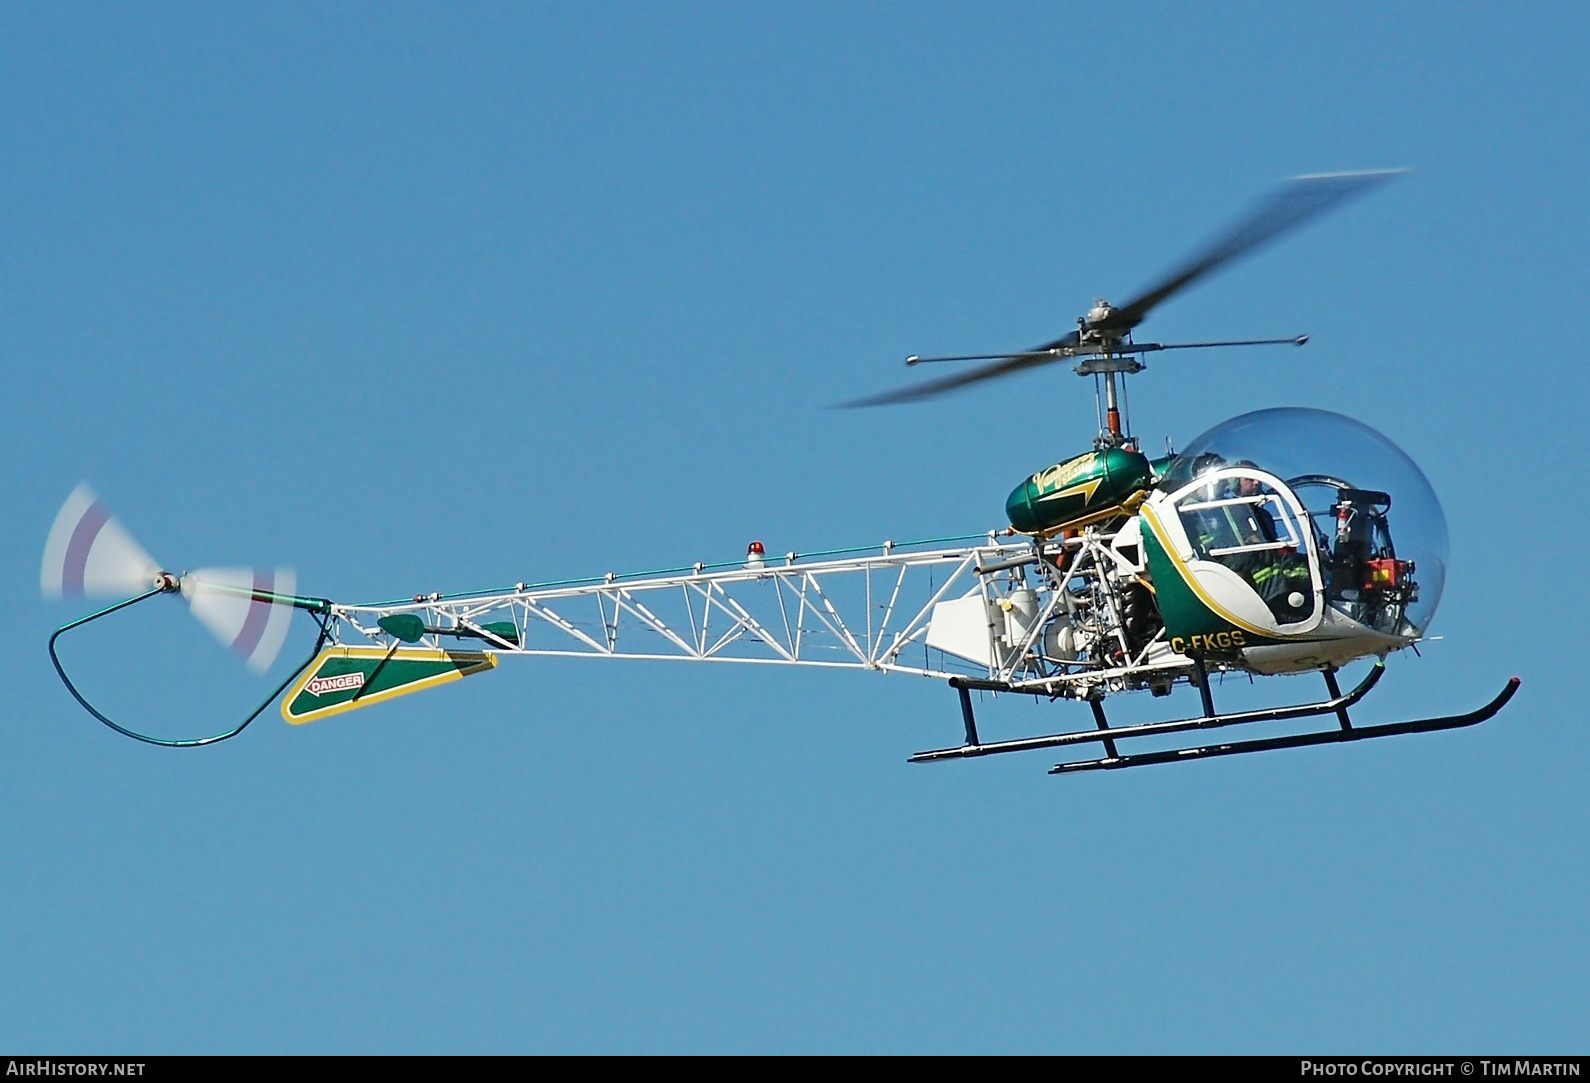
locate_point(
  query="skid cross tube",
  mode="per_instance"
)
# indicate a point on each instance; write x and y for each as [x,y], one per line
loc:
[1110,736]
[1301,740]
[1336,692]
[967,716]
[1098,717]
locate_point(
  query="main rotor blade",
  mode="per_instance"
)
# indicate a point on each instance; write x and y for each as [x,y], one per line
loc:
[1064,342]
[1287,207]
[1011,363]
[90,553]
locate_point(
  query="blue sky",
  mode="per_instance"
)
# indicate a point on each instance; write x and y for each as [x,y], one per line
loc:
[442,297]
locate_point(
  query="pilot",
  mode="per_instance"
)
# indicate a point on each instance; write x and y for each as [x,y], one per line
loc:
[1261,525]
[1280,575]
[1209,527]
[1243,527]
[1208,463]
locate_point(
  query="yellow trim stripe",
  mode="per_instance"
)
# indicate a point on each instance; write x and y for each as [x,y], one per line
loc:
[1086,488]
[1152,518]
[1125,507]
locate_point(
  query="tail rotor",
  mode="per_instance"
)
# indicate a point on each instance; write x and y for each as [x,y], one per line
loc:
[89,554]
[242,607]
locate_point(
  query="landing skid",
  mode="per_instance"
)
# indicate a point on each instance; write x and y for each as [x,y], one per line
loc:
[1337,705]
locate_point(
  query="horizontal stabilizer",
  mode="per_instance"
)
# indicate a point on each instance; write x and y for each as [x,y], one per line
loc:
[344,678]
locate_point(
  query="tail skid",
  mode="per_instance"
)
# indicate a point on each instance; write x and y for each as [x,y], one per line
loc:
[319,608]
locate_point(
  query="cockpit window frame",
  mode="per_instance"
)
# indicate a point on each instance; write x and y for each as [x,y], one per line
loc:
[1276,493]
[1282,520]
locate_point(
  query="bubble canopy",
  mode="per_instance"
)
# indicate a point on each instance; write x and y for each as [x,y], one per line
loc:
[1319,455]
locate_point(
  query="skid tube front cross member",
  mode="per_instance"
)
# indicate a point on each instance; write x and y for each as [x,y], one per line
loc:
[1338,705]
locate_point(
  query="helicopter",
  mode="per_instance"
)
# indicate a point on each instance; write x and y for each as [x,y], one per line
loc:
[1283,541]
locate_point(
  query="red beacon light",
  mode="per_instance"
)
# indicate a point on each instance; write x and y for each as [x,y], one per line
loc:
[755,555]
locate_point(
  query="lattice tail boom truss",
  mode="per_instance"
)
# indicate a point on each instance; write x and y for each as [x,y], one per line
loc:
[868,611]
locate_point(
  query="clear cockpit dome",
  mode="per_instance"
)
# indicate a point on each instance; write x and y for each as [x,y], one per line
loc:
[1338,467]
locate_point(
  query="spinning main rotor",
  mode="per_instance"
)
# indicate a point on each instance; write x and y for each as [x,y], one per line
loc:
[1103,338]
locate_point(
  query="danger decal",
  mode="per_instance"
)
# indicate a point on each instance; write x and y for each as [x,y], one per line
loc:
[341,683]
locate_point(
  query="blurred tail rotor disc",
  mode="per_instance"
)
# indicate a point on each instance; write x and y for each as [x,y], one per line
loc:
[90,554]
[239,606]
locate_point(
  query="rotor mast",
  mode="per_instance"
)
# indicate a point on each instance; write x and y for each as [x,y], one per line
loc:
[1109,395]
[1112,354]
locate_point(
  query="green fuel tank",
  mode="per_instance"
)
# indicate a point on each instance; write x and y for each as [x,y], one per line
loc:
[1083,489]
